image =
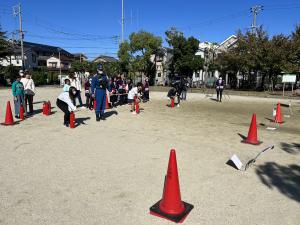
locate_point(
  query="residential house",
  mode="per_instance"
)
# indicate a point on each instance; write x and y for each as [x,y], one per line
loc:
[59,62]
[104,59]
[80,57]
[161,60]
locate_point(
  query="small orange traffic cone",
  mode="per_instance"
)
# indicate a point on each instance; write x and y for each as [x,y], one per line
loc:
[22,111]
[172,102]
[47,110]
[106,103]
[278,118]
[72,120]
[252,133]
[170,206]
[44,108]
[9,120]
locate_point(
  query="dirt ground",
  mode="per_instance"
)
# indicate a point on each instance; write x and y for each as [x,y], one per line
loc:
[112,172]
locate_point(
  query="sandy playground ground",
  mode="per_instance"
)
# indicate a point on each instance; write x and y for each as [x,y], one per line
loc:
[112,172]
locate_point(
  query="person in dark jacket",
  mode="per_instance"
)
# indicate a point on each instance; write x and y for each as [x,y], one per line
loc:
[219,89]
[98,89]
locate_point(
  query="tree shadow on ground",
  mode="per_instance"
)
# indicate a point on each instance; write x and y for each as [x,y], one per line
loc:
[285,179]
[81,121]
[292,148]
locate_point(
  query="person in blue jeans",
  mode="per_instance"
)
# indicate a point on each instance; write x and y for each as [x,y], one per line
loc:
[98,89]
[19,96]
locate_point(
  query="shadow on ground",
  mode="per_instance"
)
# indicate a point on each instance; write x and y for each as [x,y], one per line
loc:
[81,121]
[110,113]
[286,179]
[292,148]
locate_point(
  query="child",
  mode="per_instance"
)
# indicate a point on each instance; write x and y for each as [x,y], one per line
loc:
[18,93]
[173,92]
[65,103]
[67,85]
[134,93]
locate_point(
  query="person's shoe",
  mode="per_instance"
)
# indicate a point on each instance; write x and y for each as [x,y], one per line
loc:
[97,118]
[102,118]
[82,107]
[17,117]
[134,112]
[178,105]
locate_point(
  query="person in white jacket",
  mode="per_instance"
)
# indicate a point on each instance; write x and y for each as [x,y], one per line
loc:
[75,82]
[29,90]
[65,103]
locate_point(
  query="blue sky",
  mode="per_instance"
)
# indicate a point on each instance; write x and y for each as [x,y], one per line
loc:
[93,26]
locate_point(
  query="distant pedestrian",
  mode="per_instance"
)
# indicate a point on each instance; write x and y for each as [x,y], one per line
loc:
[29,91]
[184,88]
[219,89]
[75,82]
[146,89]
[18,94]
[67,85]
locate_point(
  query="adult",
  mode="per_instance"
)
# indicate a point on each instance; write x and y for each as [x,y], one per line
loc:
[121,84]
[146,89]
[29,91]
[75,82]
[219,89]
[98,88]
[18,93]
[183,86]
[65,103]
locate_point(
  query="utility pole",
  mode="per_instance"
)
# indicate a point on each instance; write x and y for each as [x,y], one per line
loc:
[17,10]
[123,21]
[255,10]
[59,61]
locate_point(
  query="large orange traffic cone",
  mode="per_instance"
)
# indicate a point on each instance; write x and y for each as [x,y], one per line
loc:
[170,206]
[278,118]
[252,133]
[44,108]
[49,107]
[172,102]
[106,103]
[22,111]
[9,120]
[72,120]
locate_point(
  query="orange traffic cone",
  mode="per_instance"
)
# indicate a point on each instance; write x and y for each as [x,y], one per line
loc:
[47,109]
[9,120]
[170,206]
[106,103]
[278,118]
[172,102]
[252,133]
[22,111]
[72,120]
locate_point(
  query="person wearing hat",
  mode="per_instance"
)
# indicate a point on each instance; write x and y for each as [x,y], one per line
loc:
[219,89]
[98,89]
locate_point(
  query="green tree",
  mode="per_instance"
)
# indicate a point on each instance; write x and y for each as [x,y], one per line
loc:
[125,57]
[4,46]
[184,60]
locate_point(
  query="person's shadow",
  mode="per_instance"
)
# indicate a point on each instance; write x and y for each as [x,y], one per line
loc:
[110,113]
[81,121]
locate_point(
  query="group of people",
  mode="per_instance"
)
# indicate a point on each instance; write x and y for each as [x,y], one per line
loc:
[97,88]
[23,90]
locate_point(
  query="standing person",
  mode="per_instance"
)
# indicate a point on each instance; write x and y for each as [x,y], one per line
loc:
[146,89]
[67,85]
[18,93]
[113,91]
[183,88]
[75,82]
[65,103]
[219,89]
[98,87]
[29,91]
[121,89]
[134,93]
[88,94]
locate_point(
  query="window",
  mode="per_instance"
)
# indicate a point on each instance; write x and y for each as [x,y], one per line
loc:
[33,58]
[197,75]
[53,64]
[159,74]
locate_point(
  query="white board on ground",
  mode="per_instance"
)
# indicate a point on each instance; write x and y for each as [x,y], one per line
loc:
[237,162]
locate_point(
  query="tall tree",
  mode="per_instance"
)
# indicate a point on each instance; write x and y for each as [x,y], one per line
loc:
[184,61]
[4,46]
